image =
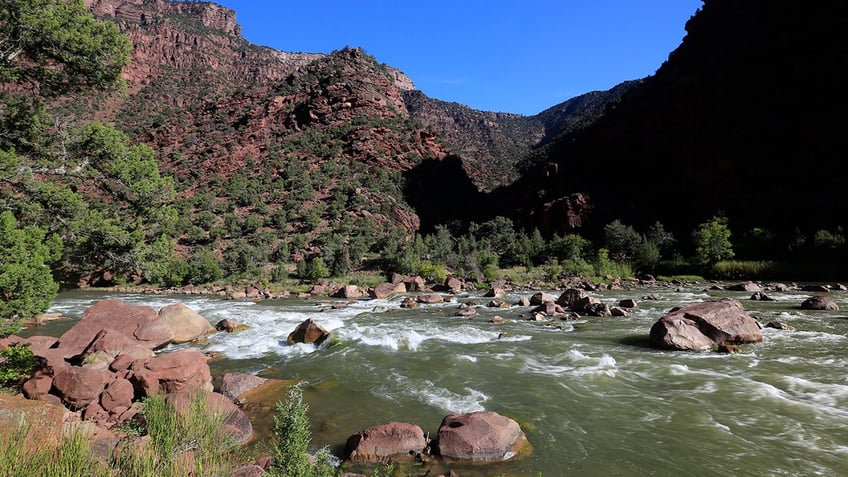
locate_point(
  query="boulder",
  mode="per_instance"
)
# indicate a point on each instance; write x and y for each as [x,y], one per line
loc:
[230,325]
[308,331]
[235,423]
[705,325]
[185,324]
[430,298]
[141,323]
[118,394]
[495,293]
[44,420]
[540,298]
[570,296]
[585,305]
[386,290]
[391,441]
[597,309]
[181,371]
[745,286]
[79,386]
[453,284]
[234,385]
[549,308]
[349,291]
[820,302]
[479,437]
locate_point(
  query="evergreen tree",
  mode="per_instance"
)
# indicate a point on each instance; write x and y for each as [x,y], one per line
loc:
[26,282]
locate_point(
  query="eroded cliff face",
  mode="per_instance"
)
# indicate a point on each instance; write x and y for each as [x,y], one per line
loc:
[193,35]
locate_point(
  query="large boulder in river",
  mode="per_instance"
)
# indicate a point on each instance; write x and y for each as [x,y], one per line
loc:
[479,437]
[308,331]
[141,323]
[705,325]
[820,302]
[391,441]
[185,324]
[386,290]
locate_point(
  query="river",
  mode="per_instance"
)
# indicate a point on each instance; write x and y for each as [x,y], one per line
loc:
[593,398]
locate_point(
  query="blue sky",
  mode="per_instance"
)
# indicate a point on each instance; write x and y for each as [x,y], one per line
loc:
[508,56]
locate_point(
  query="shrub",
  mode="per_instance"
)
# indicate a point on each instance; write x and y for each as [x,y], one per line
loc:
[16,363]
[292,439]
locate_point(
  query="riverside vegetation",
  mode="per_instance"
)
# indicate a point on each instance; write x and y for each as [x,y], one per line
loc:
[180,443]
[84,204]
[80,200]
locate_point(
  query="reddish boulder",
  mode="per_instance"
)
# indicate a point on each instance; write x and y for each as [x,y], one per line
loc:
[391,441]
[820,302]
[230,325]
[118,394]
[235,423]
[386,290]
[79,386]
[141,323]
[38,386]
[453,284]
[706,325]
[182,371]
[479,437]
[430,298]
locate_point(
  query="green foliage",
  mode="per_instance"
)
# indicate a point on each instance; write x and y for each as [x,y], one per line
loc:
[16,362]
[712,242]
[23,456]
[60,47]
[825,239]
[568,247]
[188,439]
[25,279]
[622,241]
[292,439]
[735,269]
[433,272]
[663,240]
[313,269]
[203,267]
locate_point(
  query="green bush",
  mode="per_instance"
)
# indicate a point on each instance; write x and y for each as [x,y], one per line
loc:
[292,440]
[16,362]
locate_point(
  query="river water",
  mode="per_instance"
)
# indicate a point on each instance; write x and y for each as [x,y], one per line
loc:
[593,398]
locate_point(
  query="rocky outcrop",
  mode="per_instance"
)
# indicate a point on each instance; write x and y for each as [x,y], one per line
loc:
[705,325]
[104,366]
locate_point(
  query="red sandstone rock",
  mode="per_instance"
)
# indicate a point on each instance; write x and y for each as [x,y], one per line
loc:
[391,441]
[483,436]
